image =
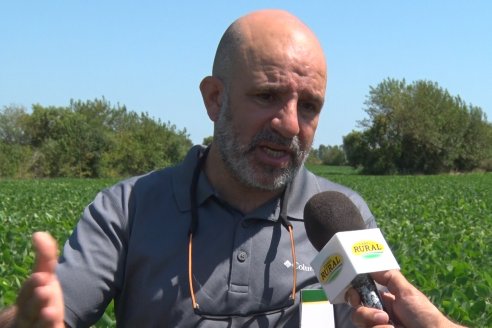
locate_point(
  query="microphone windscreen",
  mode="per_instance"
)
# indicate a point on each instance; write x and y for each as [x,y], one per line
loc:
[327,213]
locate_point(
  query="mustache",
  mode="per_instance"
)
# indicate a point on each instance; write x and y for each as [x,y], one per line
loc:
[293,144]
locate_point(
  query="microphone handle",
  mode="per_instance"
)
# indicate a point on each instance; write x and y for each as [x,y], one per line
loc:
[368,292]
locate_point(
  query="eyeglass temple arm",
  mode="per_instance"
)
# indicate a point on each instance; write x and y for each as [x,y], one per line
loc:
[190,270]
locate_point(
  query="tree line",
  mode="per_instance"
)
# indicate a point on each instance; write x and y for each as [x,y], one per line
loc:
[85,139]
[410,128]
[419,128]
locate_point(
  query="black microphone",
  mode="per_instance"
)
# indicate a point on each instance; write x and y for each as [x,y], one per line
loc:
[328,213]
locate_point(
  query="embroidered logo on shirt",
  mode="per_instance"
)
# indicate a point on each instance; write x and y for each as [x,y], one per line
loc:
[299,266]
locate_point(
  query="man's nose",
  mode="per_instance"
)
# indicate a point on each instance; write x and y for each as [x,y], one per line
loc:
[286,121]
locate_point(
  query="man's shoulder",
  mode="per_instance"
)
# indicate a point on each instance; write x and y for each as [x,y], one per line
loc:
[325,184]
[309,184]
[141,183]
[160,180]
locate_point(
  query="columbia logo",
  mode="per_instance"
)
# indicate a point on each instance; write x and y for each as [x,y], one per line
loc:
[299,266]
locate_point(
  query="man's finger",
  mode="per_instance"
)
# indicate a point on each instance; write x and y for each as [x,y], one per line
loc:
[46,252]
[369,317]
[392,279]
[31,298]
[52,315]
[28,287]
[40,302]
[353,298]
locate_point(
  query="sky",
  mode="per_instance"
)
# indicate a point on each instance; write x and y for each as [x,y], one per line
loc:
[151,55]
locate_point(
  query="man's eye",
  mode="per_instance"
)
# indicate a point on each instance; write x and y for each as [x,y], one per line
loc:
[308,107]
[265,96]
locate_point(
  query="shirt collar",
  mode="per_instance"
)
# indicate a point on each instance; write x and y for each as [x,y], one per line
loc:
[182,178]
[302,188]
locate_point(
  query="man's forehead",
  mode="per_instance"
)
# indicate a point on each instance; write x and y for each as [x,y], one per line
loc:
[284,71]
[287,79]
[298,56]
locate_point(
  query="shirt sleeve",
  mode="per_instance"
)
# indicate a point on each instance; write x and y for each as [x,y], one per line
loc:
[91,267]
[365,212]
[358,201]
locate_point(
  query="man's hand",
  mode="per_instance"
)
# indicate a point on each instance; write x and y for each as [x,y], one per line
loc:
[40,301]
[407,306]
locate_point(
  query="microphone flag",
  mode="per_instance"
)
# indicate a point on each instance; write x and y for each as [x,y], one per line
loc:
[347,255]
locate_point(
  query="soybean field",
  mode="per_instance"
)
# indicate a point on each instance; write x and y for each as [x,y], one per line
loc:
[439,228]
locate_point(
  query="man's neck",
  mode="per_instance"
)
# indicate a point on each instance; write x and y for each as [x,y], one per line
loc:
[244,198]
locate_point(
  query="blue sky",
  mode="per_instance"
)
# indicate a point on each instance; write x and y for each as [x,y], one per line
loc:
[151,55]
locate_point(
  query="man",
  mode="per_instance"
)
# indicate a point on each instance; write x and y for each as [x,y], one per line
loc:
[241,199]
[219,240]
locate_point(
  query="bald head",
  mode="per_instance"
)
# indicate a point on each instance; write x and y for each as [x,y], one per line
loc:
[266,33]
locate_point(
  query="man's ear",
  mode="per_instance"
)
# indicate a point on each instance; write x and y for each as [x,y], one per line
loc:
[212,90]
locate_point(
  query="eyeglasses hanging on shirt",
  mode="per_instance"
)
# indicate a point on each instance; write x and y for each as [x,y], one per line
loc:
[194,228]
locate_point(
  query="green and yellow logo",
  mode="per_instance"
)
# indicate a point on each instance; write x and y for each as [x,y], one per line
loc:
[331,268]
[368,249]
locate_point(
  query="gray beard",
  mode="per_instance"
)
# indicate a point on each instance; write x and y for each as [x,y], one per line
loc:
[237,156]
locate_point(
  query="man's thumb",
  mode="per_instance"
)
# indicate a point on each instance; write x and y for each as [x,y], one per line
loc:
[46,252]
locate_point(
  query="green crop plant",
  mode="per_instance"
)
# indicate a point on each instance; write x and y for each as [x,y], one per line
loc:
[439,228]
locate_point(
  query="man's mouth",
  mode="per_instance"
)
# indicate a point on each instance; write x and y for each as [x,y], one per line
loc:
[275,153]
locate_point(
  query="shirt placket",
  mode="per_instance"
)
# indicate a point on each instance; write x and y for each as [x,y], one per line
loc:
[241,261]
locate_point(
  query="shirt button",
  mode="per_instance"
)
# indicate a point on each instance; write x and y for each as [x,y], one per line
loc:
[241,256]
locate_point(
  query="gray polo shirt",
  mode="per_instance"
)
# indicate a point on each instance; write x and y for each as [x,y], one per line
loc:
[131,245]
